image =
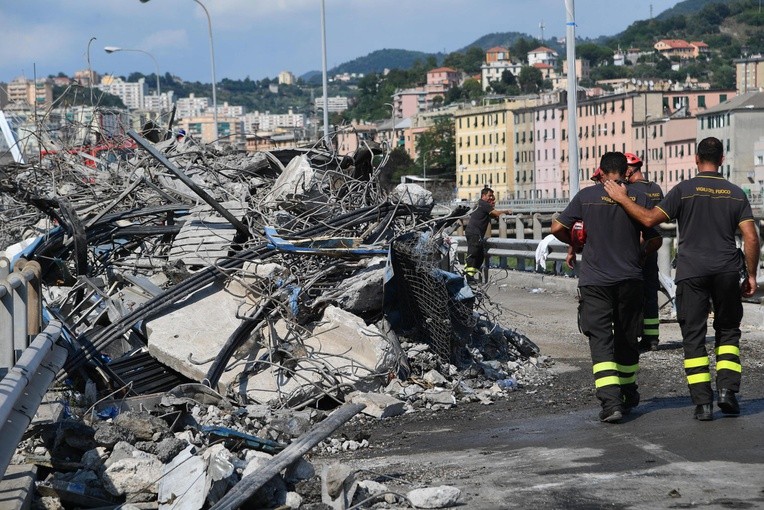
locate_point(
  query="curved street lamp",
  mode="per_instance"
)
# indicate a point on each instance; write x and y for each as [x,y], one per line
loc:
[114,49]
[90,72]
[212,60]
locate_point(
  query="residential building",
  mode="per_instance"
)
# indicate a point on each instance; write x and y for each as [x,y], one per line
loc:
[679,48]
[34,93]
[230,129]
[737,123]
[439,81]
[524,157]
[749,73]
[226,110]
[162,102]
[496,62]
[87,77]
[191,106]
[542,55]
[547,173]
[132,94]
[286,78]
[409,102]
[583,69]
[256,121]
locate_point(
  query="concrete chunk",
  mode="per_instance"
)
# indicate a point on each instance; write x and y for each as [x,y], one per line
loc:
[434,497]
[378,405]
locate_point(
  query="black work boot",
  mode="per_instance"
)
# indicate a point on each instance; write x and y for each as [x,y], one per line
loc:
[611,415]
[704,412]
[727,402]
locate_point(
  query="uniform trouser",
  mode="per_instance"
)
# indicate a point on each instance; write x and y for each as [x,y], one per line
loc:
[692,296]
[651,319]
[475,254]
[610,318]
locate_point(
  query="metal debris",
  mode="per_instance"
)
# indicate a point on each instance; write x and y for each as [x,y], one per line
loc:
[218,290]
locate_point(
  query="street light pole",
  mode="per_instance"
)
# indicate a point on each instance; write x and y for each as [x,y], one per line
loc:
[392,125]
[90,72]
[323,66]
[570,42]
[114,49]
[212,60]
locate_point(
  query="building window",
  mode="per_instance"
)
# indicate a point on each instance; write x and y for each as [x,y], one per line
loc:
[701,101]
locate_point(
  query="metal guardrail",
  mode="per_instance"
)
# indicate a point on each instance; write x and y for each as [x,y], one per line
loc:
[24,387]
[20,309]
[27,368]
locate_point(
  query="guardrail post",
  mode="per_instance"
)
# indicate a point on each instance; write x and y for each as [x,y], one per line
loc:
[19,297]
[519,227]
[503,226]
[537,232]
[7,358]
[34,303]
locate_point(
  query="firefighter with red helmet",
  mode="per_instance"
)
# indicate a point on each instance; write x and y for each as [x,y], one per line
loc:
[610,284]
[578,231]
[651,320]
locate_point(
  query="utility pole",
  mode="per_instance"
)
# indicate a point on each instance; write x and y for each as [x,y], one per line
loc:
[570,42]
[541,27]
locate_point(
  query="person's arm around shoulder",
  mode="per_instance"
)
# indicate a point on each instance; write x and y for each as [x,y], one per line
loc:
[751,248]
[647,217]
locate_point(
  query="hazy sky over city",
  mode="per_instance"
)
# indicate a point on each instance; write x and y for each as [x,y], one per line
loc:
[259,38]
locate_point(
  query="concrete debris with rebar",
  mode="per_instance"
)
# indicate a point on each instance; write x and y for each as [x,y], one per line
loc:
[224,312]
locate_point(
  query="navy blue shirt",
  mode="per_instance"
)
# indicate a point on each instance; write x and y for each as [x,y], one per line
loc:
[612,251]
[479,218]
[651,189]
[709,210]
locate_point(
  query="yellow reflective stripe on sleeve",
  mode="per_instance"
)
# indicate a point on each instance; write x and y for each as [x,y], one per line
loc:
[698,378]
[611,380]
[651,321]
[728,349]
[728,365]
[664,212]
[628,380]
[605,365]
[628,369]
[561,223]
[696,362]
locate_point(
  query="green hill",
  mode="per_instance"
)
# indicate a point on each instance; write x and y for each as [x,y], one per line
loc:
[378,61]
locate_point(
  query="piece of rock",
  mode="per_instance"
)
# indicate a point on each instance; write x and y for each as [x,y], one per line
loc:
[435,378]
[438,396]
[183,485]
[434,497]
[378,405]
[138,474]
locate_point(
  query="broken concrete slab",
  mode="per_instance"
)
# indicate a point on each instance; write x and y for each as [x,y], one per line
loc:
[190,335]
[137,474]
[183,483]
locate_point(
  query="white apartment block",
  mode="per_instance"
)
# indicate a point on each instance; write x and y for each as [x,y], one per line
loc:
[337,104]
[226,110]
[132,94]
[156,103]
[39,93]
[191,106]
[256,121]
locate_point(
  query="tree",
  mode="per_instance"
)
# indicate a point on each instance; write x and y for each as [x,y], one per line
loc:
[530,79]
[437,148]
[522,46]
[507,85]
[398,165]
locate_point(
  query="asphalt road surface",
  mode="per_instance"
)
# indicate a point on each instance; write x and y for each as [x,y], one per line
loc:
[544,447]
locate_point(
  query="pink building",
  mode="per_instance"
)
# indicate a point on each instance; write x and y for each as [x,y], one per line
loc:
[679,151]
[548,171]
[439,81]
[408,103]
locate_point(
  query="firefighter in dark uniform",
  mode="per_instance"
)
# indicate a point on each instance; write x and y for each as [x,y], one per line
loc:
[476,228]
[610,283]
[709,210]
[650,316]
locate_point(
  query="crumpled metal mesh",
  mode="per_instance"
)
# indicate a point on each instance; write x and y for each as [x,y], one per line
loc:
[437,318]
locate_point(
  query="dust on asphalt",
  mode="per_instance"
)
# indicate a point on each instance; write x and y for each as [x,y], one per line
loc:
[546,313]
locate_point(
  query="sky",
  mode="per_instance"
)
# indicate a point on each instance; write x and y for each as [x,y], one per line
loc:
[260,38]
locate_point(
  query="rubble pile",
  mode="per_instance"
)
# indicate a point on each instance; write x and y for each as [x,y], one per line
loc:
[218,305]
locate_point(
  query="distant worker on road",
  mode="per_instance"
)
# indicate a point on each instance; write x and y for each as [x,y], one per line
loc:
[650,311]
[610,283]
[709,211]
[475,231]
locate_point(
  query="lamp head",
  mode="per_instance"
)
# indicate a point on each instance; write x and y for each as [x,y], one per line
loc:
[111,49]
